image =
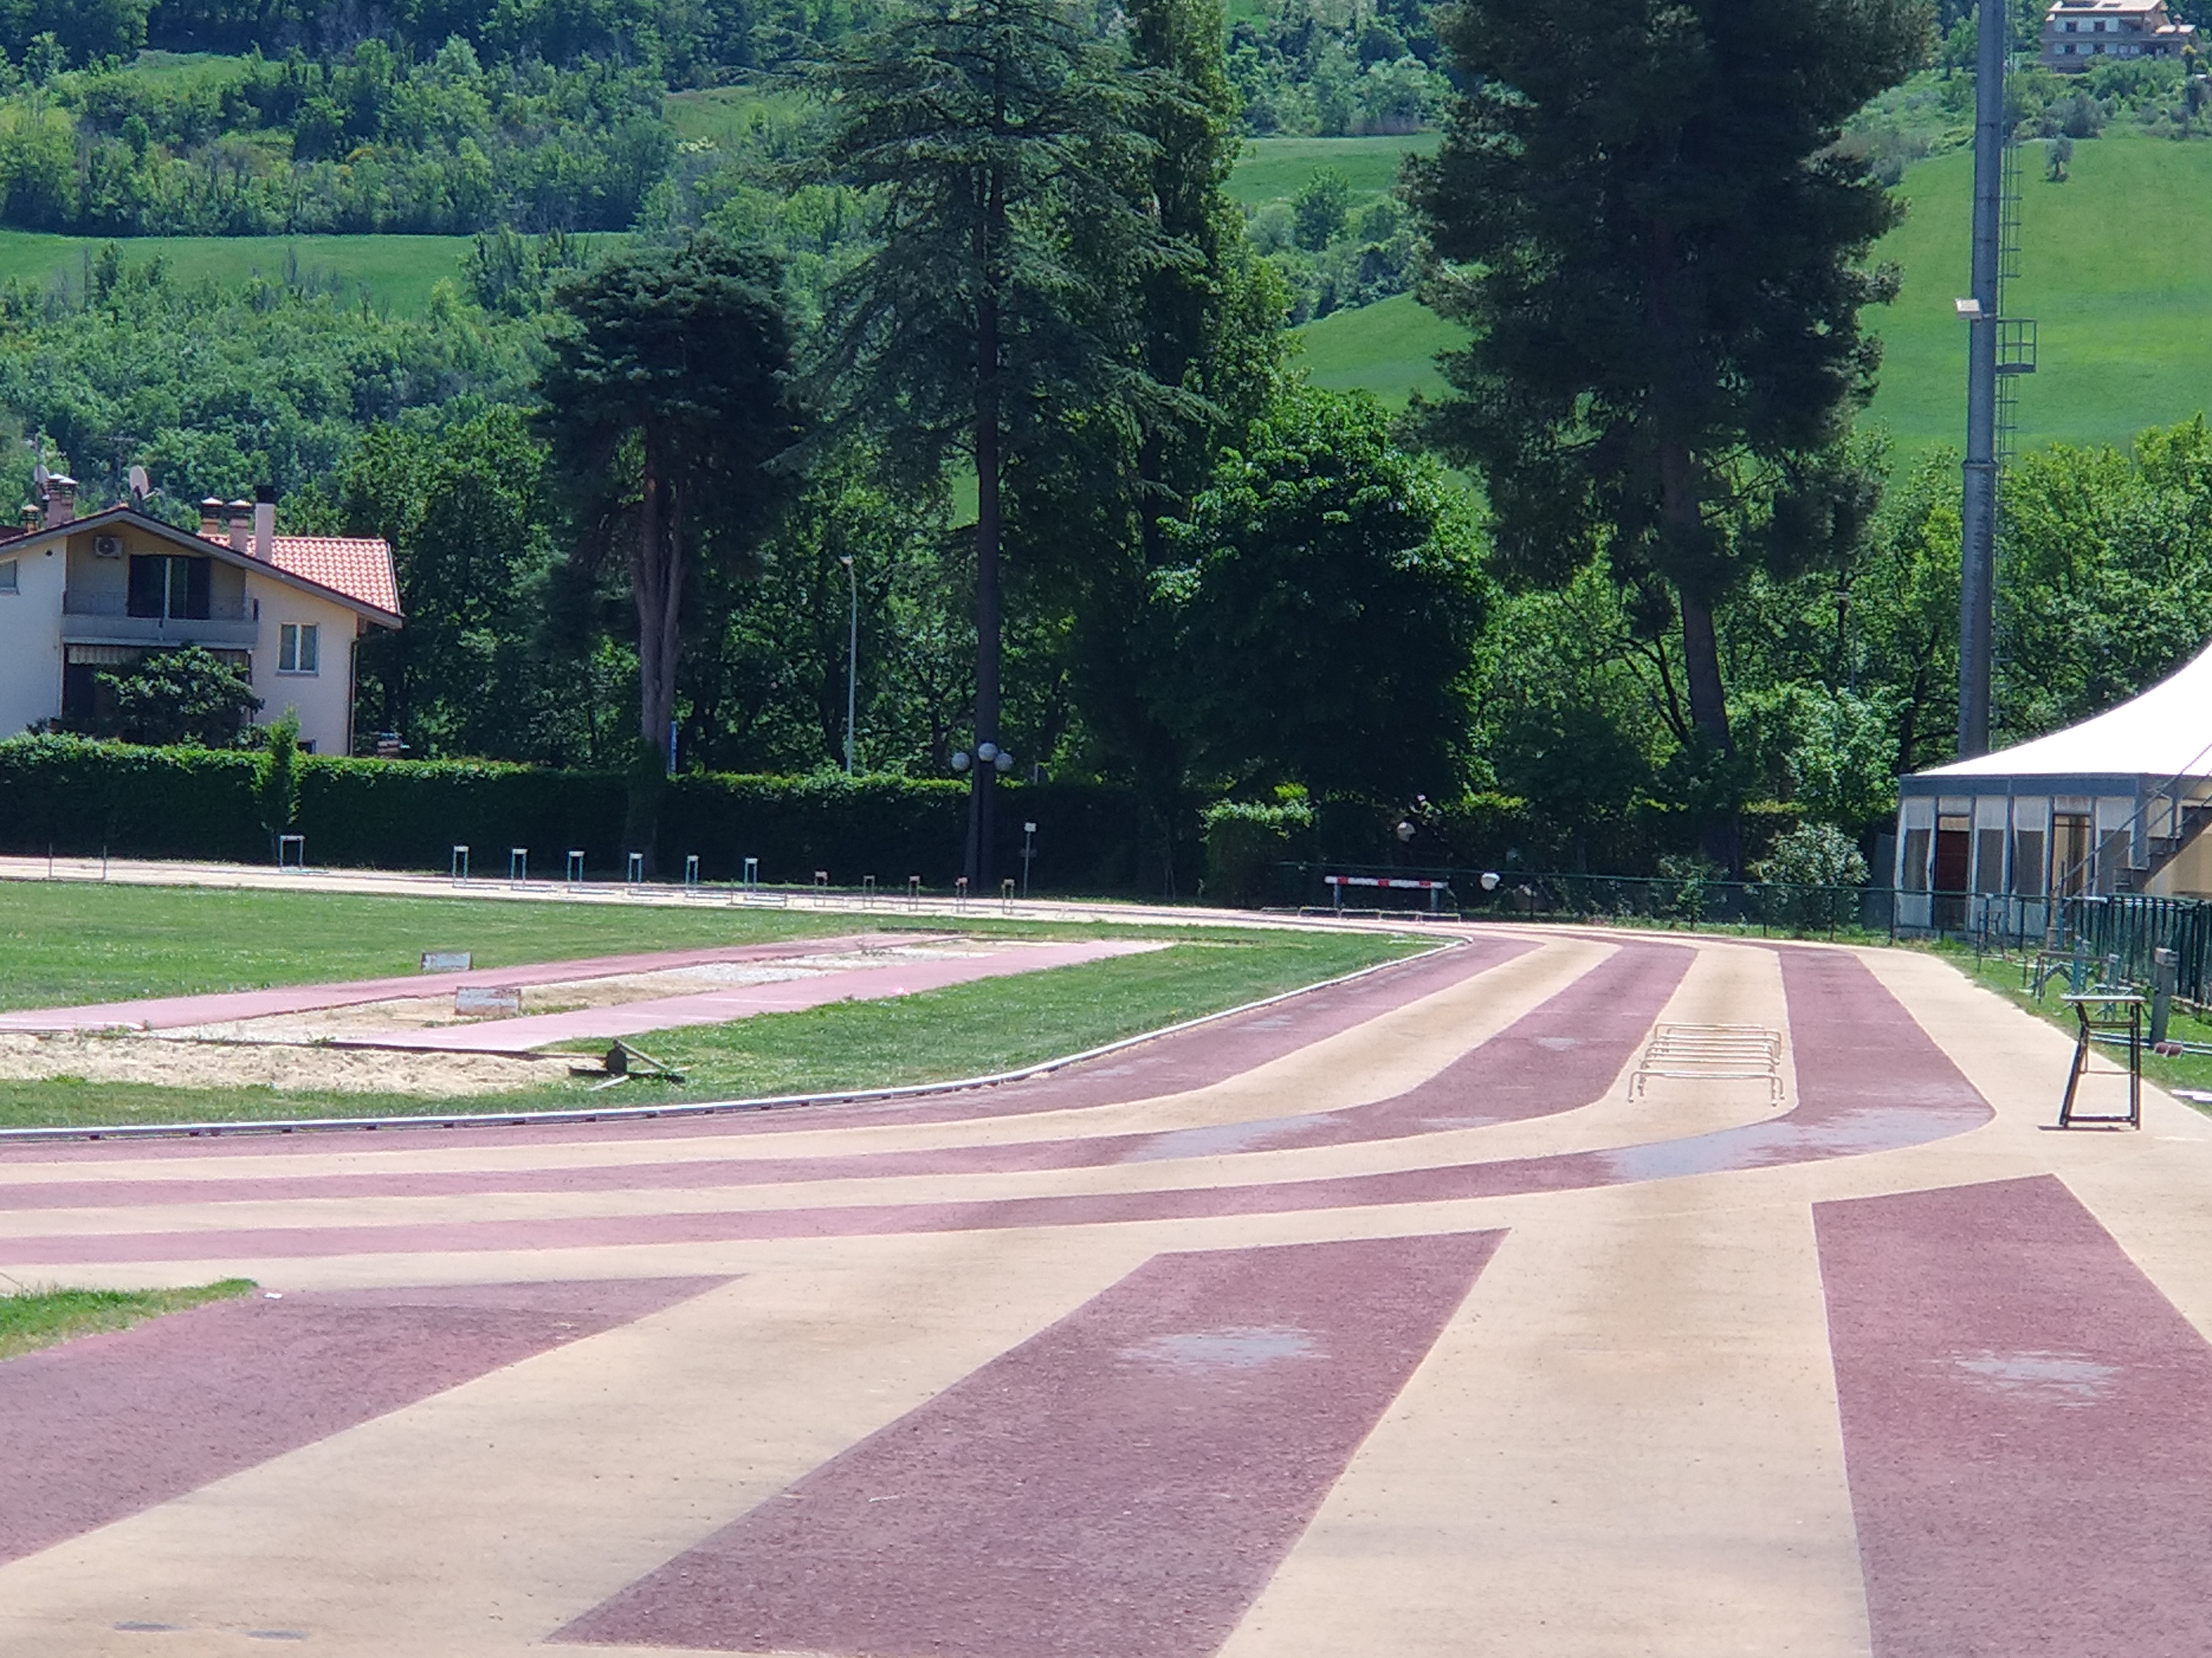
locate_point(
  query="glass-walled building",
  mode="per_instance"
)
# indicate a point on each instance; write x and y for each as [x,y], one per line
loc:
[2116,804]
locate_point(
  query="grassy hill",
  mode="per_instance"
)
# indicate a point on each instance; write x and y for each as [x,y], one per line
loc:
[398,272]
[1274,169]
[2116,266]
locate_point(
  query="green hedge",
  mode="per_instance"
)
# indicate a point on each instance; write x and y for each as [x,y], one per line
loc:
[80,796]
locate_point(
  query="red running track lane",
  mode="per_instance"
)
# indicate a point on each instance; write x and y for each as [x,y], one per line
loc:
[1124,1482]
[222,1007]
[1869,1079]
[1171,1064]
[1561,1055]
[109,1425]
[2027,1428]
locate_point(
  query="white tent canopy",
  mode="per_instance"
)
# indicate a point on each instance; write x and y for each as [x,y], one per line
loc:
[2164,733]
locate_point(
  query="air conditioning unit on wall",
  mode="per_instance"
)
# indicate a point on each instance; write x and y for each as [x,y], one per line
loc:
[107,546]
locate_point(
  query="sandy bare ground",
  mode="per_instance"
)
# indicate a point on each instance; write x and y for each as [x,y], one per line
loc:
[161,1062]
[339,1024]
[291,1052]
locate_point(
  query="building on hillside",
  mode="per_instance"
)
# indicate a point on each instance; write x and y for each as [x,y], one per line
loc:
[2117,803]
[81,594]
[2076,33]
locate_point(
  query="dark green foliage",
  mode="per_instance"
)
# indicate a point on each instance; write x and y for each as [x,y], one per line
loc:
[187,695]
[2106,574]
[1319,211]
[1327,609]
[1375,70]
[1002,143]
[467,514]
[1657,249]
[81,796]
[667,399]
[369,142]
[276,779]
[187,378]
[1245,842]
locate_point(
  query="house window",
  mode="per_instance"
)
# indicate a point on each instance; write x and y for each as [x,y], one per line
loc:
[175,589]
[11,575]
[298,647]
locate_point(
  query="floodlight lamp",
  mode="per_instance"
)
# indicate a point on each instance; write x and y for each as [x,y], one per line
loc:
[960,760]
[1005,760]
[987,750]
[1028,829]
[1971,309]
[1490,880]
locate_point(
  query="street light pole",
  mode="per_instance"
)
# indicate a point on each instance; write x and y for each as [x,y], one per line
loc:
[851,655]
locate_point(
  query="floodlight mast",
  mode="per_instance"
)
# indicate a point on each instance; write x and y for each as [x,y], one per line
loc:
[1978,514]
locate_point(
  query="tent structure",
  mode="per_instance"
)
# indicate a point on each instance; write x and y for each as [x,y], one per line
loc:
[2116,804]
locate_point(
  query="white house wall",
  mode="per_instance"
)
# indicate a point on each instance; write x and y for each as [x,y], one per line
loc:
[31,642]
[323,698]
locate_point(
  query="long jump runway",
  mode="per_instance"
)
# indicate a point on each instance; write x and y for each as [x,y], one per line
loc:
[1403,1317]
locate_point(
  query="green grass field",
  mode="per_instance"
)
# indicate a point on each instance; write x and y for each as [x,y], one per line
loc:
[398,272]
[30,1319]
[69,944]
[1388,347]
[2115,267]
[1275,169]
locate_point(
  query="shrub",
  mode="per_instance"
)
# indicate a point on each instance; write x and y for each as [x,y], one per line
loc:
[1244,841]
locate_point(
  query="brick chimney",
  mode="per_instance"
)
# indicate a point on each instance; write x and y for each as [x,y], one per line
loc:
[61,499]
[265,522]
[241,526]
[32,518]
[211,519]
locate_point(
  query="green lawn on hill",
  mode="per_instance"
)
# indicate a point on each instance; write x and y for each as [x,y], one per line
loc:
[1276,169]
[2116,266]
[398,272]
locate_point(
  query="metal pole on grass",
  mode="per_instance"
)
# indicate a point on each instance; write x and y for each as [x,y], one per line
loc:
[851,655]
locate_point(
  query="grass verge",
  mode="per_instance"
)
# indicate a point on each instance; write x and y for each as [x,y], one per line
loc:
[1996,973]
[963,1030]
[64,943]
[31,1318]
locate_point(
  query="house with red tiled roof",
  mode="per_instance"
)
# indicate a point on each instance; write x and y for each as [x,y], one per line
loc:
[78,595]
[2077,34]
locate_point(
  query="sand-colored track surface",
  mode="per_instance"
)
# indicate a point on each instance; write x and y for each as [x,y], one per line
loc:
[1395,1319]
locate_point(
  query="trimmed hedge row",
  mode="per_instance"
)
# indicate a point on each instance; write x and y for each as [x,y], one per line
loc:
[79,797]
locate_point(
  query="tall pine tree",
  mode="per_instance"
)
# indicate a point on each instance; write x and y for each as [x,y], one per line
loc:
[996,137]
[1639,211]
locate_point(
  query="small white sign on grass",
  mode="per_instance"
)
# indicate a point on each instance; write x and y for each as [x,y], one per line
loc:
[447,960]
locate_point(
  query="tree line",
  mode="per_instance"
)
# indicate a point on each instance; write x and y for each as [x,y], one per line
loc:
[1037,426]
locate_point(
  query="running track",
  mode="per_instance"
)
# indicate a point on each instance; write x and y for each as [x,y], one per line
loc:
[1380,1320]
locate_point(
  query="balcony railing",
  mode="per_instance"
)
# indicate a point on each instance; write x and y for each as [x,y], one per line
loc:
[75,603]
[106,619]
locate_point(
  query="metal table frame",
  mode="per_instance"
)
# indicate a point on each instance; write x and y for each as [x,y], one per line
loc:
[2108,1005]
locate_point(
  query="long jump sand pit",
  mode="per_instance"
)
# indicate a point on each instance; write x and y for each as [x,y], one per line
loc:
[411,1036]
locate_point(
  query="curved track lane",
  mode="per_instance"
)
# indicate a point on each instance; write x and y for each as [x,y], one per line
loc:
[1382,1319]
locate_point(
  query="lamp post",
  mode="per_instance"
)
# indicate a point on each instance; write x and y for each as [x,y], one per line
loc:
[989,758]
[852,653]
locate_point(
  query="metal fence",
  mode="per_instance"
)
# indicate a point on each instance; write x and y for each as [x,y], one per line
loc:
[2107,938]
[1767,906]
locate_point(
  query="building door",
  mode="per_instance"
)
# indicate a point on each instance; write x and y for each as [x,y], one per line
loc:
[2069,854]
[1954,851]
